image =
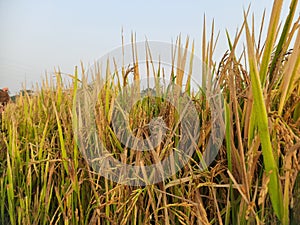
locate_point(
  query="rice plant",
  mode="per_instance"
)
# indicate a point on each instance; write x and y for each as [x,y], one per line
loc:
[46,179]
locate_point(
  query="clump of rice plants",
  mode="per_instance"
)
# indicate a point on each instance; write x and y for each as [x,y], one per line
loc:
[46,179]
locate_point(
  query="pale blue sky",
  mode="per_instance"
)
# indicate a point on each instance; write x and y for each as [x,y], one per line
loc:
[38,36]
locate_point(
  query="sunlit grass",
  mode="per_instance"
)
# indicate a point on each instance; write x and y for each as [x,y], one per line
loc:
[45,179]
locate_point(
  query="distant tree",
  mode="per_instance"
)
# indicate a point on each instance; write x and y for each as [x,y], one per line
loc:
[4,98]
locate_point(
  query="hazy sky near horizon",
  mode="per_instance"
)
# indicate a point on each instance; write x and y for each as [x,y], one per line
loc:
[39,36]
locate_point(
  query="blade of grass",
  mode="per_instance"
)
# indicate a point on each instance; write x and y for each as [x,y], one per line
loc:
[274,187]
[228,147]
[61,139]
[271,36]
[291,74]
[283,38]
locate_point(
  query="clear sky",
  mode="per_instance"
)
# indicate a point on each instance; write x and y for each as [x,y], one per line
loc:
[38,36]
